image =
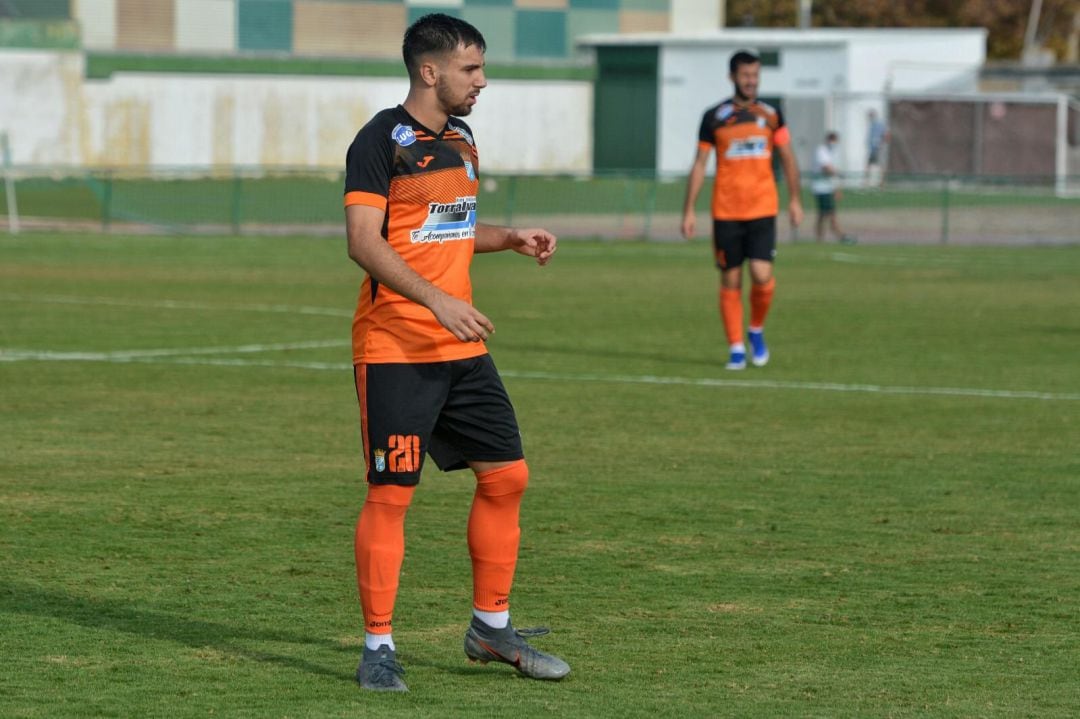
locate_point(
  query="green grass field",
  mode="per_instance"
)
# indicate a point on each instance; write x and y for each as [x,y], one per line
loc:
[881,523]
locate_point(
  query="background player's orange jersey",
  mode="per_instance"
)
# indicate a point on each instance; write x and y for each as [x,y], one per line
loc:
[427,183]
[744,137]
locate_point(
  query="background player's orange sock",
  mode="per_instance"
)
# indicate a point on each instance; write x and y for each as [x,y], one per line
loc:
[494,534]
[731,311]
[380,549]
[760,300]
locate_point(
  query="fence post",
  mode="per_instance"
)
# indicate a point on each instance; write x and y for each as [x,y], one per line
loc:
[627,203]
[9,185]
[106,201]
[650,206]
[945,209]
[511,192]
[235,211]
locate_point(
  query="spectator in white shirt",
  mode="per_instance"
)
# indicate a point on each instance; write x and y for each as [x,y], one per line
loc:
[826,191]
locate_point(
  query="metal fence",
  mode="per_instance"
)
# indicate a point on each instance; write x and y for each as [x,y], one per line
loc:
[905,209]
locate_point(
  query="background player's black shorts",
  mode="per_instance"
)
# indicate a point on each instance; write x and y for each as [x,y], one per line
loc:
[456,411]
[738,240]
[826,202]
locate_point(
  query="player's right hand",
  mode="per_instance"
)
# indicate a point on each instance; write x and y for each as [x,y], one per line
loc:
[689,224]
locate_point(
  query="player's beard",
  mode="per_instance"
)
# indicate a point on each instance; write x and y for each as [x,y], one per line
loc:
[743,97]
[452,105]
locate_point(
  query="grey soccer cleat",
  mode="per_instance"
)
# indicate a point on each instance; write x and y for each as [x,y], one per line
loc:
[484,644]
[379,671]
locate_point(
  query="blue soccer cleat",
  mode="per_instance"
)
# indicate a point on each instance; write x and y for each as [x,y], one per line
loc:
[760,355]
[737,358]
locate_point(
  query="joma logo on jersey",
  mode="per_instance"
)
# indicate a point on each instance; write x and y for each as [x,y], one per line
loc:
[754,146]
[447,222]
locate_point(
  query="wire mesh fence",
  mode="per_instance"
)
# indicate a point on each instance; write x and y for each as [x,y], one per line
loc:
[907,209]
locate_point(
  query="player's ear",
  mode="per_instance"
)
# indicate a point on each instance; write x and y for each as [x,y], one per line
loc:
[428,71]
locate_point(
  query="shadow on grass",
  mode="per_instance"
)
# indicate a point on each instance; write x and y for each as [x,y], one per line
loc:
[121,617]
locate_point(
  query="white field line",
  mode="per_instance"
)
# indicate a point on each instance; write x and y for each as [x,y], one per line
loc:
[191,357]
[176,305]
[14,355]
[783,384]
[920,260]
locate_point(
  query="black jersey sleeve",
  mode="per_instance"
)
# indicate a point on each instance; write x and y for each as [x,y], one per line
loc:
[369,162]
[705,132]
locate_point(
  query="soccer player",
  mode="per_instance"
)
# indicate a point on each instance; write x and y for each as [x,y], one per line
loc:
[826,192]
[744,132]
[424,379]
[877,137]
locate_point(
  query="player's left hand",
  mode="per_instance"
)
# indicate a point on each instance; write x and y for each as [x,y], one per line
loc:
[795,212]
[534,242]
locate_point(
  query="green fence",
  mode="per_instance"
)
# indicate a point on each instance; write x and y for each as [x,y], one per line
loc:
[612,205]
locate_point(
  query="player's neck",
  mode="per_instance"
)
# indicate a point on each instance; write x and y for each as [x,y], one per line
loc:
[427,112]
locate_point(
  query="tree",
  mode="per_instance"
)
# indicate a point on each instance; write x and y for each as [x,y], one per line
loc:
[1005,20]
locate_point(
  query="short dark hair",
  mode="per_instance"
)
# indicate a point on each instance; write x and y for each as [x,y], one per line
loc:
[437,33]
[831,135]
[742,57]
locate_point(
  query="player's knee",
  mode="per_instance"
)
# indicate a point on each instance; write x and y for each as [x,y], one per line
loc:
[507,479]
[394,494]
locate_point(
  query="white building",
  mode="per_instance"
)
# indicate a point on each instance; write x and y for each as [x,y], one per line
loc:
[823,78]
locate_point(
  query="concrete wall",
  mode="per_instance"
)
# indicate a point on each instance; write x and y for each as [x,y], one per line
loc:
[56,117]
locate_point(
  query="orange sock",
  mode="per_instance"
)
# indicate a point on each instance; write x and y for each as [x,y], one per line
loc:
[731,311]
[380,549]
[760,299]
[494,534]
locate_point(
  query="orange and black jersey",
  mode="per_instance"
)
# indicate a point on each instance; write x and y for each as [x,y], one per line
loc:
[426,182]
[744,136]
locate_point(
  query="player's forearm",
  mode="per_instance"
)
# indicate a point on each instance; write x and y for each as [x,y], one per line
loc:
[693,188]
[386,266]
[791,174]
[492,238]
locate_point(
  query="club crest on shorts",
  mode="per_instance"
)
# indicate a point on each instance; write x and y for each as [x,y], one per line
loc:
[380,460]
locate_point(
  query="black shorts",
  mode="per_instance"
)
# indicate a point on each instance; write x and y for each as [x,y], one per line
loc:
[737,240]
[456,411]
[826,202]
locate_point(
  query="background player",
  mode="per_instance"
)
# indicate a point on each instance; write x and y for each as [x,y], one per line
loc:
[744,131]
[827,192]
[423,376]
[877,137]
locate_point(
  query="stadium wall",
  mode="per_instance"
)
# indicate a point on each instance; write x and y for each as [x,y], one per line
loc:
[161,120]
[516,30]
